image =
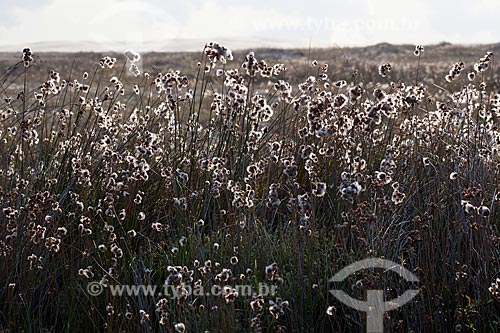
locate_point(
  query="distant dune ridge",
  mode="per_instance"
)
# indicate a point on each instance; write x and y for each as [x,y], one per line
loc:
[148,46]
[176,45]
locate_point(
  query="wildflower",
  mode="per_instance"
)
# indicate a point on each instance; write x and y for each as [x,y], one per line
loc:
[27,57]
[224,276]
[110,309]
[180,327]
[216,52]
[144,316]
[382,177]
[340,83]
[494,289]
[455,71]
[132,56]
[53,244]
[257,303]
[62,230]
[183,177]
[331,310]
[319,189]
[378,94]
[87,272]
[340,101]
[468,207]
[349,191]
[384,69]
[181,202]
[276,307]
[483,63]
[138,199]
[229,294]
[271,271]
[128,315]
[234,260]
[107,62]
[483,211]
[418,50]
[397,197]
[134,69]
[117,251]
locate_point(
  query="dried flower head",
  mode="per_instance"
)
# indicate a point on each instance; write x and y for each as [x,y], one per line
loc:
[180,327]
[418,50]
[384,69]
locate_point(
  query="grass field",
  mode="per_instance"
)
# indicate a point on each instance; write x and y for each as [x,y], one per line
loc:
[214,170]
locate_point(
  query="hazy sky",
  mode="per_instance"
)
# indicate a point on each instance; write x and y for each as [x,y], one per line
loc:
[290,22]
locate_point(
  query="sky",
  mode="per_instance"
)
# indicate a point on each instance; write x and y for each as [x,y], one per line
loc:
[165,24]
